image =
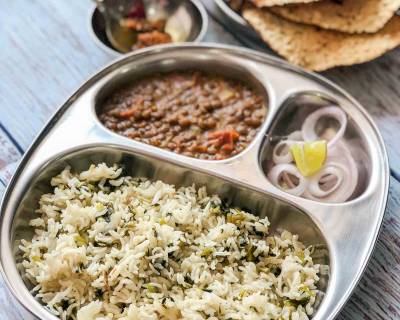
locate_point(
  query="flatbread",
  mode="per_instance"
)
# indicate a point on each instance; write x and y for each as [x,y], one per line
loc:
[270,3]
[317,49]
[353,16]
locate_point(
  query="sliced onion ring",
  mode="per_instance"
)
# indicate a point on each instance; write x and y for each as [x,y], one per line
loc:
[287,179]
[286,155]
[277,171]
[295,135]
[340,155]
[308,127]
[281,152]
[331,170]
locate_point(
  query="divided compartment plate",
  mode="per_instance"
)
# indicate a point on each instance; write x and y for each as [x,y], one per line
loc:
[345,233]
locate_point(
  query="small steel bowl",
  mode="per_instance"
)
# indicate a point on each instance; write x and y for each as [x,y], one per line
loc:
[194,9]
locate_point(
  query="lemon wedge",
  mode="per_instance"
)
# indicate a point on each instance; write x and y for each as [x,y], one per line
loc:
[309,156]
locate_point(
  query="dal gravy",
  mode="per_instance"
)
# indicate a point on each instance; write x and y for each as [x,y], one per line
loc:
[191,113]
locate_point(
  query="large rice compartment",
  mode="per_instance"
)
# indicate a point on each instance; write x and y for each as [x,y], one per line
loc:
[173,244]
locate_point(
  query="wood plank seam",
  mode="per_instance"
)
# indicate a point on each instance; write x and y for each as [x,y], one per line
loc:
[395,174]
[12,139]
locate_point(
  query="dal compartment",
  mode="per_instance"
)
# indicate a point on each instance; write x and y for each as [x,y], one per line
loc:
[198,113]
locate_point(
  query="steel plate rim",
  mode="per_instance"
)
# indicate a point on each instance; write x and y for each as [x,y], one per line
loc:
[224,7]
[236,20]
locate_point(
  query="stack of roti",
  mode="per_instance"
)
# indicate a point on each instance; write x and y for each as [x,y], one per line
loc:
[321,34]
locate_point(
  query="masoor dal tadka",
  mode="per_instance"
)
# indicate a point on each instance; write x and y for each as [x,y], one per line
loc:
[191,113]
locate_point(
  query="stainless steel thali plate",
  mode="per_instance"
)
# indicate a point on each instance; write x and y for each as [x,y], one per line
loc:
[343,233]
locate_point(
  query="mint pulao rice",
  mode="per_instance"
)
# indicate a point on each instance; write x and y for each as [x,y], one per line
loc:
[108,246]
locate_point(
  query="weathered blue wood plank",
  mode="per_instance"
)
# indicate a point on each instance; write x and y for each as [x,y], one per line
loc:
[378,293]
[47,52]
[10,308]
[9,155]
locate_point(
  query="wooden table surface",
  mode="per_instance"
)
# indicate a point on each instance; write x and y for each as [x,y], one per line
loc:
[46,53]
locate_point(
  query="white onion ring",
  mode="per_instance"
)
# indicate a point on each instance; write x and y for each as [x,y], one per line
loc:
[276,172]
[292,138]
[295,135]
[308,127]
[332,169]
[285,156]
[340,156]
[289,182]
[341,153]
[326,179]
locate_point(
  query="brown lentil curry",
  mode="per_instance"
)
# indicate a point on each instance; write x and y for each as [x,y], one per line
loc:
[195,114]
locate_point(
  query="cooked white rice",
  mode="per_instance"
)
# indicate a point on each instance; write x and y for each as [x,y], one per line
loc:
[113,247]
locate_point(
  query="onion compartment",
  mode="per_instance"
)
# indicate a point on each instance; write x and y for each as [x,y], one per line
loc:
[304,118]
